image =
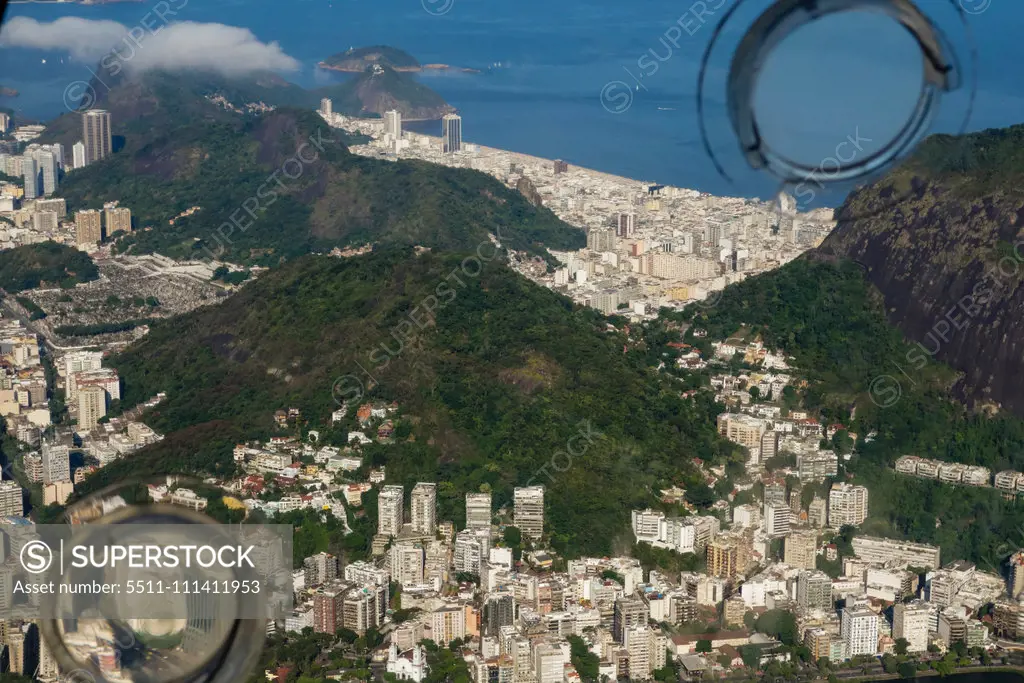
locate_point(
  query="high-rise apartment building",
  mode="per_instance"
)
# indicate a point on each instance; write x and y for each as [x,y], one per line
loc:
[859,630]
[628,613]
[88,227]
[911,621]
[451,133]
[528,510]
[847,505]
[723,558]
[777,517]
[46,671]
[393,124]
[96,135]
[814,591]
[801,549]
[478,511]
[30,176]
[407,563]
[48,170]
[56,463]
[320,569]
[625,225]
[92,405]
[78,155]
[326,108]
[328,608]
[117,218]
[424,508]
[817,513]
[16,650]
[390,511]
[1016,586]
[746,430]
[11,499]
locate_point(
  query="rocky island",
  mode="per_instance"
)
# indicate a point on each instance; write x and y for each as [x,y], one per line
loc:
[357,60]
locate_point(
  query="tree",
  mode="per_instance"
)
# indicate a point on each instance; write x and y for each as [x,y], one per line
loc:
[901,646]
[700,495]
[703,645]
[907,670]
[588,664]
[513,536]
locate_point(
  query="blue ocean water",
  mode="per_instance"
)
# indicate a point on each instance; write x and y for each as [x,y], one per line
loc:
[605,84]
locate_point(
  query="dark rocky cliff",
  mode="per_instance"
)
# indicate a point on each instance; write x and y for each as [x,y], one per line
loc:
[942,238]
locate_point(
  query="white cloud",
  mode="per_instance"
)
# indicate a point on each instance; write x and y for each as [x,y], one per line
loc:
[186,45]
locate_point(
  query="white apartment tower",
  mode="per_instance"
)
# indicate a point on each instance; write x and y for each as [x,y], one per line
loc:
[777,518]
[96,135]
[451,133]
[528,510]
[847,505]
[56,465]
[390,511]
[407,563]
[92,405]
[11,499]
[424,508]
[911,621]
[393,124]
[78,155]
[859,631]
[478,511]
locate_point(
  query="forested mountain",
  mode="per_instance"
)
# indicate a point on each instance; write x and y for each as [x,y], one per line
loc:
[503,375]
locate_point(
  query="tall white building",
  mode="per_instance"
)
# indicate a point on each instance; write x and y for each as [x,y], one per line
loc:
[48,169]
[390,511]
[451,133]
[847,505]
[468,552]
[478,511]
[407,562]
[528,510]
[859,630]
[30,174]
[424,508]
[92,405]
[548,663]
[78,155]
[911,621]
[11,499]
[393,124]
[96,135]
[56,463]
[326,108]
[777,518]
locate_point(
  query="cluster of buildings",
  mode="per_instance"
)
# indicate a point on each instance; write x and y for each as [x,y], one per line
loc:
[29,206]
[648,245]
[24,397]
[955,473]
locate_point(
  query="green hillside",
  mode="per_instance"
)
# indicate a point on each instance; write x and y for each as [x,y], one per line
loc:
[277,206]
[45,263]
[508,375]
